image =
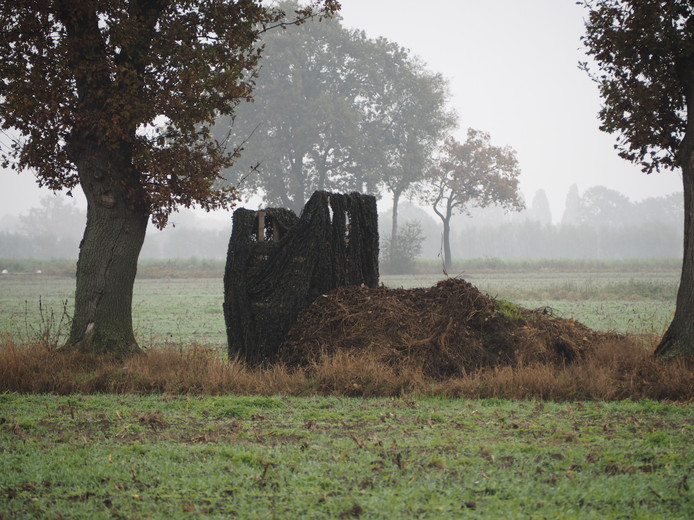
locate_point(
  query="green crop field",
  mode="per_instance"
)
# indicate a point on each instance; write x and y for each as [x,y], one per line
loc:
[126,456]
[189,310]
[326,456]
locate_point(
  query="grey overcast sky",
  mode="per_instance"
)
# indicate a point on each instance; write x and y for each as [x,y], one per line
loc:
[513,72]
[512,68]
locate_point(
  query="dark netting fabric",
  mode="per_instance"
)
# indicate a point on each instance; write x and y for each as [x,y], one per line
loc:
[278,263]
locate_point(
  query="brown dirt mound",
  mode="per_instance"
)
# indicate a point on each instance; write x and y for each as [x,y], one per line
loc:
[447,330]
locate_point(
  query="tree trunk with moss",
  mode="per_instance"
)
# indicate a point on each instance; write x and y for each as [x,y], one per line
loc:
[109,250]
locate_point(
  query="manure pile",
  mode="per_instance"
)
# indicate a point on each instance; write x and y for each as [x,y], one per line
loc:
[445,330]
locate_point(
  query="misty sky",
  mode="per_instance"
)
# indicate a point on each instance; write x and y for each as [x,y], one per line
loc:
[512,68]
[513,71]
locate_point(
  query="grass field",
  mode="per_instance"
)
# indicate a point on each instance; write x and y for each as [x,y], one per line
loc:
[107,456]
[186,434]
[189,310]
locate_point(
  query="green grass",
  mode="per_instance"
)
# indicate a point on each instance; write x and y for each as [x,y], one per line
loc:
[635,317]
[189,310]
[178,456]
[129,456]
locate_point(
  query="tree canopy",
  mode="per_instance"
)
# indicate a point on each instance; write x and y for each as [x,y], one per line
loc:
[473,173]
[151,76]
[306,126]
[336,110]
[643,52]
[118,96]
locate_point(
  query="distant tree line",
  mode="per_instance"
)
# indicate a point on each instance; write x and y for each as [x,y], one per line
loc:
[600,224]
[333,109]
[54,230]
[530,239]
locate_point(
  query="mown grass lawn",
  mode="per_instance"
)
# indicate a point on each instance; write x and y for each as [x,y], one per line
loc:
[128,456]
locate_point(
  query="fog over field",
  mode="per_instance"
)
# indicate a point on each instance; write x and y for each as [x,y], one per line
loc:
[601,224]
[512,72]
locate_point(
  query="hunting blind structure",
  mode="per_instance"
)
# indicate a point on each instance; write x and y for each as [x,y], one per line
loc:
[278,264]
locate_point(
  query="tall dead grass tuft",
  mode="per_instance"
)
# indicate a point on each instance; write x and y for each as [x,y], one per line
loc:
[36,369]
[352,374]
[614,368]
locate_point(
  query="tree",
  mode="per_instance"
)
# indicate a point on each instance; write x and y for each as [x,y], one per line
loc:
[409,121]
[118,97]
[644,53]
[306,128]
[56,217]
[335,110]
[473,173]
[539,208]
[409,244]
[602,207]
[572,207]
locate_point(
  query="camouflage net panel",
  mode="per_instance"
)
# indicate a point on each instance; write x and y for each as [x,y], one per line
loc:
[278,263]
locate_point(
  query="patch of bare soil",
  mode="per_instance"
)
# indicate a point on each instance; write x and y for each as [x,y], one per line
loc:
[446,330]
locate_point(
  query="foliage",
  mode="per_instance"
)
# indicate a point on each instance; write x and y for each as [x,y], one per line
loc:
[411,121]
[599,206]
[56,216]
[407,248]
[641,48]
[471,173]
[307,127]
[335,110]
[532,240]
[539,209]
[149,76]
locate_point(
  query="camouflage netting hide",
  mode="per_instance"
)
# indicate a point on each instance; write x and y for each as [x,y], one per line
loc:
[278,263]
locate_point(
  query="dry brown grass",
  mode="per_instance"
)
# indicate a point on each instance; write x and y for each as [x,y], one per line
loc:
[621,368]
[615,369]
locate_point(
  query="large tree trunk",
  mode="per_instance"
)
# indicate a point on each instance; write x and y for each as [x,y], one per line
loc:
[447,243]
[394,231]
[117,205]
[679,337]
[107,264]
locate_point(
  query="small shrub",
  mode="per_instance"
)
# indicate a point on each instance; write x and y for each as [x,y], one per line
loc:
[400,258]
